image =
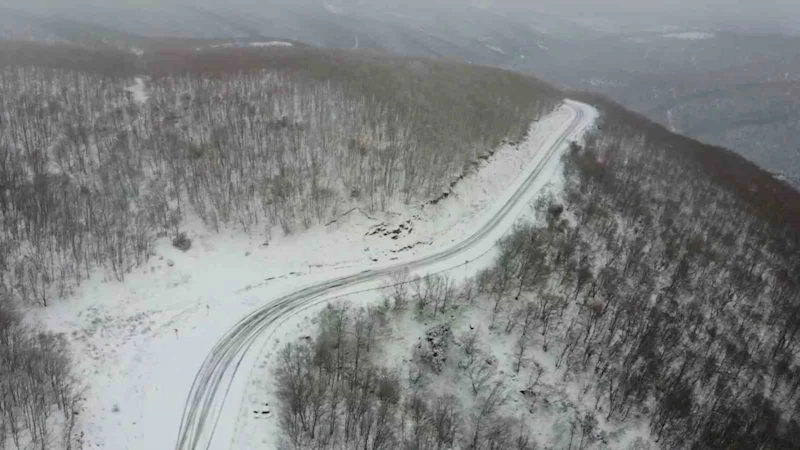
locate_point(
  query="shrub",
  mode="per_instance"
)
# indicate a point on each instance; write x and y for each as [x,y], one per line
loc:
[182,242]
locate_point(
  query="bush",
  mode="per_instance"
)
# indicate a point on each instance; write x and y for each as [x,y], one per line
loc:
[433,351]
[555,210]
[182,242]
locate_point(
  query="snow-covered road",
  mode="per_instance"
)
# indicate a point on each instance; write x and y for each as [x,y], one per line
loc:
[211,409]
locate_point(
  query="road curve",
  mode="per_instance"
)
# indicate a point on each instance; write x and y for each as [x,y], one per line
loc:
[213,381]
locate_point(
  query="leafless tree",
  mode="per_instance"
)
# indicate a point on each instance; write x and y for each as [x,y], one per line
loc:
[35,383]
[528,315]
[482,418]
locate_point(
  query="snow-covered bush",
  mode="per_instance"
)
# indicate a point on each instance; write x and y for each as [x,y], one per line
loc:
[432,350]
[182,242]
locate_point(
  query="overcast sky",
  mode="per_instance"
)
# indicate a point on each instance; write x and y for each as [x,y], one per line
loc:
[709,6]
[712,10]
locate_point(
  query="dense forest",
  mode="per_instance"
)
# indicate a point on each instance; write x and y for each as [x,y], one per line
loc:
[39,397]
[103,152]
[659,288]
[98,164]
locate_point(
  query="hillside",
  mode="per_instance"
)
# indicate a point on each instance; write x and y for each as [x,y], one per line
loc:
[258,137]
[719,83]
[160,195]
[111,159]
[649,301]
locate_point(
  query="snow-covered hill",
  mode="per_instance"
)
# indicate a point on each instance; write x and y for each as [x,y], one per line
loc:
[139,343]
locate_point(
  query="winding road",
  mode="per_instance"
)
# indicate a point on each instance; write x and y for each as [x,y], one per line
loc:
[212,384]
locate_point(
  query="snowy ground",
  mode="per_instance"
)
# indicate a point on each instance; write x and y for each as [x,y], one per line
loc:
[138,344]
[543,400]
[256,426]
[690,35]
[254,44]
[495,49]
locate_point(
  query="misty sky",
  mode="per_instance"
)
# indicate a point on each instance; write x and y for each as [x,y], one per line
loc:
[710,7]
[712,10]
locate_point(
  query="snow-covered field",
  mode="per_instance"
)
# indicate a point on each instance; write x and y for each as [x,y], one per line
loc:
[138,344]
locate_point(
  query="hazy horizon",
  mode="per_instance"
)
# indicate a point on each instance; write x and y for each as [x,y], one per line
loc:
[711,12]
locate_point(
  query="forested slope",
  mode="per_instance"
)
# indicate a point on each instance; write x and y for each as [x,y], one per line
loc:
[102,152]
[97,163]
[659,292]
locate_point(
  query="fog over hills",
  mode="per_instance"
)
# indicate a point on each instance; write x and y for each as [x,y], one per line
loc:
[335,224]
[723,71]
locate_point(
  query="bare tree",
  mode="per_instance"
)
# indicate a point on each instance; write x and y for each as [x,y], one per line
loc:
[35,383]
[528,315]
[483,415]
[445,420]
[480,374]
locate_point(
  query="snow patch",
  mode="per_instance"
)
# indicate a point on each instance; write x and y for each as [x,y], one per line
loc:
[540,29]
[139,90]
[253,44]
[271,44]
[639,40]
[333,9]
[594,81]
[690,35]
[670,121]
[495,49]
[662,29]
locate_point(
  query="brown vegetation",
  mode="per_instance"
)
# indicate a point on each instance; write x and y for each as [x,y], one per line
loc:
[66,56]
[767,197]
